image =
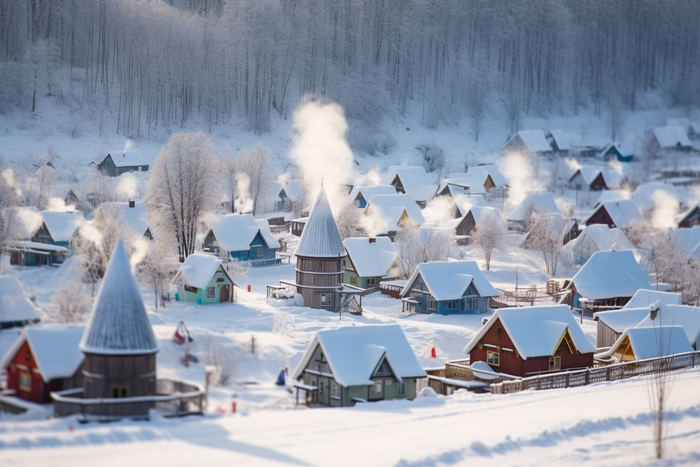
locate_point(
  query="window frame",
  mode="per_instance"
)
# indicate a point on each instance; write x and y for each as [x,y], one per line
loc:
[190,289]
[400,388]
[27,377]
[335,390]
[490,354]
[432,303]
[473,303]
[211,292]
[555,363]
[122,391]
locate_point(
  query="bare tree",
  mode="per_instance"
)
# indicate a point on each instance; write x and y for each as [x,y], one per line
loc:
[71,303]
[254,162]
[182,188]
[349,221]
[491,234]
[156,269]
[416,246]
[547,236]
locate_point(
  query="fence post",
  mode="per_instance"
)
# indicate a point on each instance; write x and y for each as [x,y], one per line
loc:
[567,379]
[588,376]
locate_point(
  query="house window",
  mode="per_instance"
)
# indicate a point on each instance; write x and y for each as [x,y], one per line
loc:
[335,390]
[371,281]
[258,251]
[554,363]
[320,388]
[25,381]
[326,300]
[211,292]
[376,390]
[493,358]
[190,289]
[400,388]
[473,303]
[353,280]
[452,305]
[119,392]
[432,304]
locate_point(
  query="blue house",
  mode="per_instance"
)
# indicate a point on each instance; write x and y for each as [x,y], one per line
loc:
[244,237]
[447,288]
[360,195]
[49,243]
[621,151]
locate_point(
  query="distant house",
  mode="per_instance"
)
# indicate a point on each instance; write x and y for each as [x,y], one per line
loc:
[244,237]
[536,203]
[615,214]
[357,364]
[44,359]
[617,151]
[412,181]
[202,279]
[587,178]
[559,142]
[531,340]
[50,243]
[592,142]
[456,185]
[448,287]
[369,259]
[118,163]
[596,237]
[132,215]
[643,343]
[70,195]
[389,213]
[473,218]
[670,138]
[289,194]
[530,141]
[611,324]
[15,310]
[490,173]
[608,280]
[645,297]
[298,226]
[687,317]
[360,195]
[689,218]
[462,204]
[687,241]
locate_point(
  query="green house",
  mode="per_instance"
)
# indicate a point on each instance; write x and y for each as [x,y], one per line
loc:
[369,260]
[203,280]
[357,364]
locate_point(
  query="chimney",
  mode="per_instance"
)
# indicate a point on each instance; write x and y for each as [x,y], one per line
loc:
[132,203]
[372,240]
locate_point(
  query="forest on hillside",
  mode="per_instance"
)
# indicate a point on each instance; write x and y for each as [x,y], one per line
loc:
[144,64]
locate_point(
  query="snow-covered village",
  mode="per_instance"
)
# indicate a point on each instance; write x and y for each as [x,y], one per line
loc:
[389,233]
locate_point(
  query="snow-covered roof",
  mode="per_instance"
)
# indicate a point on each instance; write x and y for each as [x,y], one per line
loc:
[293,189]
[62,225]
[469,183]
[534,140]
[686,239]
[448,280]
[354,352]
[26,220]
[652,342]
[118,323]
[320,238]
[560,138]
[464,202]
[536,331]
[127,159]
[391,207]
[414,180]
[613,179]
[604,238]
[135,218]
[481,171]
[55,349]
[682,122]
[622,212]
[624,149]
[644,194]
[371,256]
[671,136]
[596,138]
[198,270]
[482,212]
[543,203]
[368,191]
[588,172]
[235,232]
[645,297]
[609,274]
[619,320]
[687,317]
[14,305]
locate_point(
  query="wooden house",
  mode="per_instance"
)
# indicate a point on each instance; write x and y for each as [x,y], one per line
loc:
[689,218]
[298,226]
[390,213]
[642,343]
[618,213]
[670,138]
[532,205]
[202,279]
[462,204]
[369,260]
[290,193]
[531,340]
[596,237]
[617,151]
[473,217]
[117,163]
[358,364]
[559,142]
[611,324]
[687,317]
[587,178]
[16,310]
[412,181]
[448,287]
[360,195]
[44,359]
[243,237]
[50,243]
[529,142]
[131,214]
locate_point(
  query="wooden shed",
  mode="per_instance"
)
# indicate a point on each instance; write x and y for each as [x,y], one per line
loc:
[611,324]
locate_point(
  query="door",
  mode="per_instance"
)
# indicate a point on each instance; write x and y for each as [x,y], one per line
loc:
[223,294]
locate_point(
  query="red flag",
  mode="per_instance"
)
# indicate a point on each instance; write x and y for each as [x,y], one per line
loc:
[433,353]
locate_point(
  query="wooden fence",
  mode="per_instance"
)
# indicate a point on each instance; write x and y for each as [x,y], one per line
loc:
[570,379]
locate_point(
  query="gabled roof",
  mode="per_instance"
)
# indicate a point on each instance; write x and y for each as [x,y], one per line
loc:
[622,212]
[198,270]
[320,238]
[588,172]
[642,298]
[448,280]
[625,150]
[390,208]
[496,176]
[536,331]
[293,189]
[354,352]
[235,232]
[468,183]
[609,274]
[482,212]
[464,202]
[136,218]
[371,256]
[604,238]
[14,305]
[671,136]
[619,320]
[368,191]
[62,225]
[127,159]
[687,317]
[118,323]
[55,349]
[686,239]
[652,342]
[560,138]
[414,180]
[534,140]
[543,202]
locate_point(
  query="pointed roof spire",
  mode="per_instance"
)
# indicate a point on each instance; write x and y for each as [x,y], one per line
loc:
[320,237]
[118,323]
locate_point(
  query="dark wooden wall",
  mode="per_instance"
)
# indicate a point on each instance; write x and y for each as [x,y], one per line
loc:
[136,372]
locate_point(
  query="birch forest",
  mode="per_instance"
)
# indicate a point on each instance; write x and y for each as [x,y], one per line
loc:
[146,64]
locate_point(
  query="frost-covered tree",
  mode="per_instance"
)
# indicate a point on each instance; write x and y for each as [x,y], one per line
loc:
[156,269]
[254,162]
[182,188]
[416,246]
[349,222]
[491,234]
[547,235]
[72,303]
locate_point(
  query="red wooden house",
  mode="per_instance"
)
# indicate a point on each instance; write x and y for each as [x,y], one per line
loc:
[44,359]
[531,340]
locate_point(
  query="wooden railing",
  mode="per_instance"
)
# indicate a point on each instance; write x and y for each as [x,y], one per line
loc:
[569,379]
[174,399]
[460,369]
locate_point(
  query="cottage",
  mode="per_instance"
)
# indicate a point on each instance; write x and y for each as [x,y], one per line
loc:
[587,178]
[596,237]
[389,213]
[117,163]
[454,187]
[559,142]
[687,317]
[529,142]
[620,213]
[608,280]
[611,324]
[132,215]
[666,138]
[531,340]
[289,195]
[360,195]
[412,181]
[298,226]
[592,141]
[44,359]
[448,287]
[202,279]
[642,298]
[534,204]
[358,364]
[473,218]
[462,204]
[15,308]
[689,218]
[643,343]
[49,244]
[369,260]
[243,237]
[617,151]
